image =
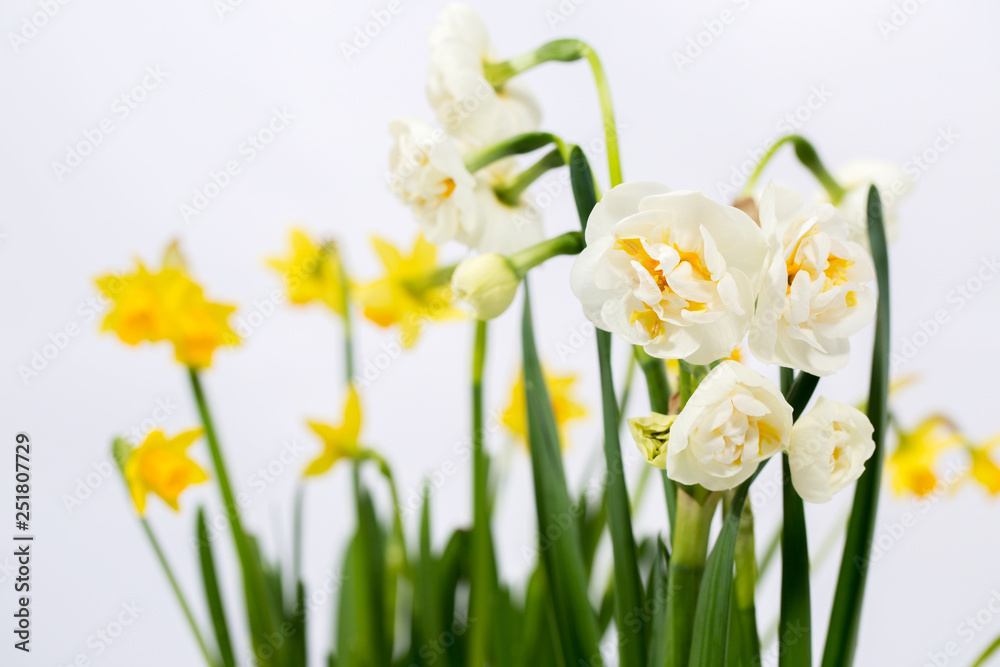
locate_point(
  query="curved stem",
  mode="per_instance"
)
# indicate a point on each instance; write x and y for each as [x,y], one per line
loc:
[178,593]
[809,158]
[569,243]
[510,193]
[522,143]
[568,50]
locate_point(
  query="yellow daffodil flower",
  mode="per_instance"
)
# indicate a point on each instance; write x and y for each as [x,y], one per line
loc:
[398,298]
[339,442]
[167,305]
[565,407]
[913,463]
[161,466]
[984,470]
[313,272]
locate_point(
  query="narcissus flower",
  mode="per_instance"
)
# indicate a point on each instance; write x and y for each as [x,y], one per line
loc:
[857,177]
[828,449]
[312,272]
[674,272]
[815,294]
[159,466]
[428,173]
[488,283]
[913,464]
[167,305]
[652,437]
[565,407]
[984,470]
[408,295]
[339,442]
[467,104]
[735,419]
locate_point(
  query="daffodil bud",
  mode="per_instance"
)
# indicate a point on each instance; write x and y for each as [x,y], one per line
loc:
[651,435]
[488,283]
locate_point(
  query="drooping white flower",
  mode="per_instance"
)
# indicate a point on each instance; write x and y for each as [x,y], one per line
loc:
[674,272]
[857,177]
[429,173]
[467,105]
[735,419]
[815,294]
[828,449]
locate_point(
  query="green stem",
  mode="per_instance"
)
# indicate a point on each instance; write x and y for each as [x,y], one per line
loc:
[482,550]
[518,145]
[569,243]
[345,290]
[510,193]
[568,50]
[809,158]
[987,653]
[687,564]
[436,278]
[178,593]
[252,579]
[744,585]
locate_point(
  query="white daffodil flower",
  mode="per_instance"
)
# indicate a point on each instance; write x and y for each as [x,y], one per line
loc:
[428,173]
[735,419]
[857,177]
[828,449]
[674,272]
[467,105]
[815,294]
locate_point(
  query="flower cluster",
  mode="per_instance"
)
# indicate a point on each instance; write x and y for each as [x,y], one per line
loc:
[453,193]
[167,305]
[737,418]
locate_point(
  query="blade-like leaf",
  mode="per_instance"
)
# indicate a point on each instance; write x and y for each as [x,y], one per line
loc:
[657,595]
[795,622]
[628,588]
[211,581]
[845,619]
[557,525]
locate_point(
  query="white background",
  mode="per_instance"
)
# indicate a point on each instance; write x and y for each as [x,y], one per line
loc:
[889,97]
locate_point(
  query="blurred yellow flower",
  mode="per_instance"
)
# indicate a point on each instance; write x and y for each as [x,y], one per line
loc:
[161,466]
[984,470]
[913,463]
[565,407]
[313,272]
[338,441]
[167,305]
[400,298]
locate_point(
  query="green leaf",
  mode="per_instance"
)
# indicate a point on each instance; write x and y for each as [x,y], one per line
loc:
[710,639]
[657,594]
[556,513]
[628,588]
[845,619]
[582,179]
[795,622]
[212,593]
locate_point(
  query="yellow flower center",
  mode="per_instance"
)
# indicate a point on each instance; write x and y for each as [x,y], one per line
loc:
[647,316]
